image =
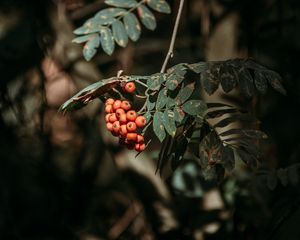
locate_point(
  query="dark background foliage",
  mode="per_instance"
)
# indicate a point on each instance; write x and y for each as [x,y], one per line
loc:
[64,178]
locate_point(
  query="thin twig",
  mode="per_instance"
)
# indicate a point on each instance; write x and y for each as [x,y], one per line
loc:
[171,47]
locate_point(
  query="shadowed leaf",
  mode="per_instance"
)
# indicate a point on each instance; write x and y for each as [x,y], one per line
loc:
[261,82]
[246,82]
[228,78]
[185,93]
[210,79]
[194,107]
[162,98]
[168,120]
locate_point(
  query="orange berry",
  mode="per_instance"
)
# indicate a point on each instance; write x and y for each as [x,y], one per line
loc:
[142,146]
[139,138]
[109,101]
[113,118]
[131,126]
[129,87]
[123,130]
[123,118]
[117,104]
[137,147]
[119,111]
[140,121]
[116,126]
[131,115]
[109,126]
[109,108]
[131,137]
[107,116]
[126,105]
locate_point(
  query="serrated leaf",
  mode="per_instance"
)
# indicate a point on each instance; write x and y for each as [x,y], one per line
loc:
[155,81]
[179,114]
[90,48]
[159,6]
[146,17]
[185,93]
[122,3]
[168,120]
[246,82]
[260,81]
[158,126]
[132,26]
[162,98]
[198,67]
[119,33]
[107,40]
[194,107]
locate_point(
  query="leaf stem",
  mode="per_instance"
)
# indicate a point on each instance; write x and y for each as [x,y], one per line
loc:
[172,43]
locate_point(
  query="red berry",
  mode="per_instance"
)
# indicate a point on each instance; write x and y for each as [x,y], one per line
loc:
[107,116]
[142,146]
[131,137]
[123,118]
[131,115]
[131,127]
[119,111]
[117,104]
[113,118]
[109,108]
[140,121]
[123,130]
[109,101]
[137,147]
[109,126]
[116,126]
[129,87]
[139,138]
[126,105]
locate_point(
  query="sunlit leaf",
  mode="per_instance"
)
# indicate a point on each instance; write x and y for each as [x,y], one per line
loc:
[168,120]
[119,33]
[146,17]
[162,98]
[107,40]
[159,6]
[90,48]
[179,114]
[155,81]
[198,67]
[122,3]
[132,26]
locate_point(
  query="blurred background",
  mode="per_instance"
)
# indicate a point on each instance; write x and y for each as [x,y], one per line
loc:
[65,177]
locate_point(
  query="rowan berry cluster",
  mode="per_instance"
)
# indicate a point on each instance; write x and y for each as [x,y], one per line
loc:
[124,122]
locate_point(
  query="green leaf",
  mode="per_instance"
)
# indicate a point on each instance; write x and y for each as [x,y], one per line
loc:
[179,114]
[172,82]
[146,17]
[168,120]
[148,116]
[158,126]
[107,41]
[109,13]
[198,67]
[90,48]
[82,39]
[119,33]
[150,104]
[194,107]
[90,26]
[155,81]
[132,26]
[159,6]
[185,93]
[122,3]
[162,98]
